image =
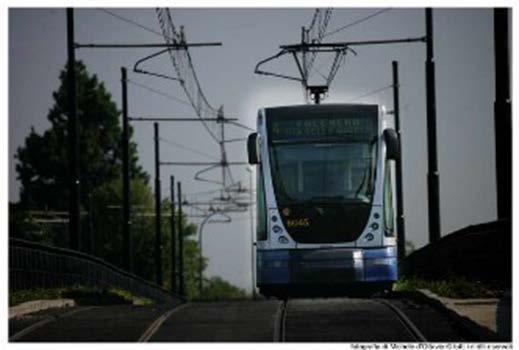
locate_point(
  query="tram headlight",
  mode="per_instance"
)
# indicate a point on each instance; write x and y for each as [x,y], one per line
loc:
[277,229]
[369,237]
[274,218]
[283,240]
[374,226]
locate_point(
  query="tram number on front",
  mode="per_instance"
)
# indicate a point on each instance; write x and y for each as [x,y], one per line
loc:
[293,223]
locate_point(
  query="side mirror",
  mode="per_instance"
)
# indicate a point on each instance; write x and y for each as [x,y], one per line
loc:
[252,148]
[392,144]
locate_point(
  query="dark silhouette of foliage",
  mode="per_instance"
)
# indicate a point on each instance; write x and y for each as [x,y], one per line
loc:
[216,288]
[43,171]
[43,161]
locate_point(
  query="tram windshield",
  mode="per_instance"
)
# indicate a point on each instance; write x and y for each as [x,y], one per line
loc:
[323,163]
[323,156]
[323,172]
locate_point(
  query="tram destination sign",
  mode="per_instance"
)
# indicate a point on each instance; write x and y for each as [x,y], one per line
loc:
[353,128]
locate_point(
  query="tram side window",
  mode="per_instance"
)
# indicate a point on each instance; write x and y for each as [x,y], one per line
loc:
[388,202]
[261,228]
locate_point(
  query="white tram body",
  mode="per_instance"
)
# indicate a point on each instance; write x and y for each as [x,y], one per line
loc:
[325,197]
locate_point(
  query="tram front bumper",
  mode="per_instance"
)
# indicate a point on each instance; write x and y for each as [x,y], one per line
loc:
[326,266]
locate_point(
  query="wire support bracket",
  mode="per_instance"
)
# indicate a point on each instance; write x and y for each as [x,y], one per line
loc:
[339,48]
[179,119]
[172,46]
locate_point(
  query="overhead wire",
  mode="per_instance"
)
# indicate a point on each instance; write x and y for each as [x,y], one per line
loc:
[130,21]
[204,192]
[314,34]
[240,125]
[178,145]
[358,21]
[315,31]
[318,70]
[158,92]
[184,68]
[192,87]
[196,98]
[340,58]
[373,92]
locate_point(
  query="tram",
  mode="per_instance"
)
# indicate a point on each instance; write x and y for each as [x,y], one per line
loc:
[325,198]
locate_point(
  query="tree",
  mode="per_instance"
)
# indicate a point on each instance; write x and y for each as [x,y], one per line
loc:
[409,247]
[107,228]
[216,288]
[43,171]
[107,225]
[23,225]
[191,251]
[43,161]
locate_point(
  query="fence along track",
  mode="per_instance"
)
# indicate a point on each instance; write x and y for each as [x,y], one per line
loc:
[43,322]
[279,322]
[34,265]
[406,322]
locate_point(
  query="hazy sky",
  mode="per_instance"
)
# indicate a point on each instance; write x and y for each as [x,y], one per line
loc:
[465,94]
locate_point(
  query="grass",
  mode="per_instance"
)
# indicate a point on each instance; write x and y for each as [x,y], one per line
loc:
[21,296]
[450,287]
[81,294]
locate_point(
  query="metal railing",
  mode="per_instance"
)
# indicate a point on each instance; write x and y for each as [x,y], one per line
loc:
[33,265]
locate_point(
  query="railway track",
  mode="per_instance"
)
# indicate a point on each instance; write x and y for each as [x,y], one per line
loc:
[345,320]
[157,323]
[406,321]
[291,320]
[46,320]
[279,322]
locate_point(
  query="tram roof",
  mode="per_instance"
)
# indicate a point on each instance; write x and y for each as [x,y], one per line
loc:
[332,107]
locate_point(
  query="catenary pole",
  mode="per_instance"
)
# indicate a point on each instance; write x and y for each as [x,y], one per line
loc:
[399,185]
[433,176]
[180,242]
[127,255]
[73,131]
[158,210]
[201,254]
[502,115]
[173,237]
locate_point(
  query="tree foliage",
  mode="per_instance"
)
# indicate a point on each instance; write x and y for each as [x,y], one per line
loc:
[43,172]
[43,160]
[409,247]
[108,233]
[217,288]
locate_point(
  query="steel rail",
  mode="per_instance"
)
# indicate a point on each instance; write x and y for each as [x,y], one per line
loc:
[406,322]
[279,322]
[45,321]
[157,323]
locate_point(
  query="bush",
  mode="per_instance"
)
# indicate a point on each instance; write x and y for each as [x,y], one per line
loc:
[451,287]
[217,288]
